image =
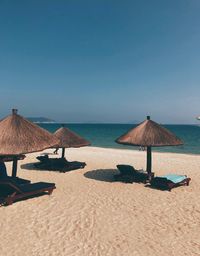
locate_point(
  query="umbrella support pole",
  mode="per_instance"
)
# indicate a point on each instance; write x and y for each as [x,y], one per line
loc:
[14,167]
[63,152]
[149,161]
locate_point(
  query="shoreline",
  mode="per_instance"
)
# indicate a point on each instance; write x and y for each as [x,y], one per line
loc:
[104,135]
[153,152]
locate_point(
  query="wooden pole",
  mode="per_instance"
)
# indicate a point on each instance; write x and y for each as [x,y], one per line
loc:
[149,160]
[63,152]
[14,168]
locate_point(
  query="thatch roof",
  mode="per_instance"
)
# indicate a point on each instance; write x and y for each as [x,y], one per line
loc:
[149,133]
[19,136]
[69,139]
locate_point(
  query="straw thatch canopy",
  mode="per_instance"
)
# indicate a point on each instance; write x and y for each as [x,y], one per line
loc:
[69,139]
[19,136]
[149,133]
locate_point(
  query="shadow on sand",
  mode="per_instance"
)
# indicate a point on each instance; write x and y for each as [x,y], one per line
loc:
[106,175]
[156,188]
[30,166]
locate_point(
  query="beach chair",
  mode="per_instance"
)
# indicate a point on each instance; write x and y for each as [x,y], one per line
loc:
[169,181]
[129,174]
[75,165]
[11,191]
[58,164]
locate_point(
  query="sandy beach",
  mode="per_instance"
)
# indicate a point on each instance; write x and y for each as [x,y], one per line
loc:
[91,215]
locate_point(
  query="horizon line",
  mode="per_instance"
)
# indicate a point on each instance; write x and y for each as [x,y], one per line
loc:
[111,123]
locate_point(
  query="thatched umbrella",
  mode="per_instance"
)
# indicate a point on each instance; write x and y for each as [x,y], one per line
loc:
[149,134]
[69,139]
[20,136]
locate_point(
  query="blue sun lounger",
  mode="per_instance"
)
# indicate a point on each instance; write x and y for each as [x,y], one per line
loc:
[169,181]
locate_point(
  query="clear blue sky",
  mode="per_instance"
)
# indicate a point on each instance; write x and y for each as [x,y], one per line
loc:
[101,61]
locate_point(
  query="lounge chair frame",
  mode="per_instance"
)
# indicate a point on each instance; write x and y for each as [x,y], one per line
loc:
[167,184]
[129,175]
[20,194]
[58,164]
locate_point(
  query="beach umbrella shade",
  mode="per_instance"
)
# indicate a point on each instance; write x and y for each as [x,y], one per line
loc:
[69,139]
[149,134]
[20,136]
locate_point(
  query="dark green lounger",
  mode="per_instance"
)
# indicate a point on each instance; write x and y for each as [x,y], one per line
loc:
[129,174]
[11,191]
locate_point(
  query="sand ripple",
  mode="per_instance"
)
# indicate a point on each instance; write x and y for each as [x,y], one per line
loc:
[90,215]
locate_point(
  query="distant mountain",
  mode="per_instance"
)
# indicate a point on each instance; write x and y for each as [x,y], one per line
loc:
[40,120]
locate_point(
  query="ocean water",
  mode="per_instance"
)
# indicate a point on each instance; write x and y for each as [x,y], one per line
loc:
[104,135]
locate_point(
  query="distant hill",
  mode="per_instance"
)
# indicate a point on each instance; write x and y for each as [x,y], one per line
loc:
[40,120]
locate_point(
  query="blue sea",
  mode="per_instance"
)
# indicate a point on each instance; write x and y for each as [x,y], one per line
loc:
[104,135]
